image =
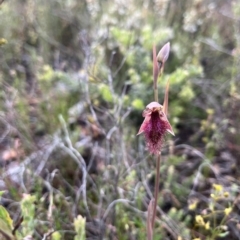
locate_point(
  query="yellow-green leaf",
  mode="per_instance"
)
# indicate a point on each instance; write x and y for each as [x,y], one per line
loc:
[5,224]
[4,215]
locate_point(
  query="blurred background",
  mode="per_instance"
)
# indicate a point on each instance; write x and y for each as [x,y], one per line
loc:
[75,77]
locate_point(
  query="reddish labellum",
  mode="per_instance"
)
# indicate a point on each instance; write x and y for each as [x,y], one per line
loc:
[155,126]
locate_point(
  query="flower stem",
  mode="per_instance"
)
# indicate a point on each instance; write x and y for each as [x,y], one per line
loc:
[155,93]
[156,188]
[157,177]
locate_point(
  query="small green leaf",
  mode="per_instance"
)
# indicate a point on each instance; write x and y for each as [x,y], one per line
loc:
[4,215]
[138,104]
[3,41]
[5,223]
[106,93]
[1,193]
[56,236]
[224,234]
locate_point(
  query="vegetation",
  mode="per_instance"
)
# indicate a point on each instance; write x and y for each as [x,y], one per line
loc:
[75,77]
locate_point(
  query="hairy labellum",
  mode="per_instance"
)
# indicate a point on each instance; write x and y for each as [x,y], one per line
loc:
[155,126]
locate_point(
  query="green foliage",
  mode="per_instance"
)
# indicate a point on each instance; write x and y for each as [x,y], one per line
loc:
[148,34]
[5,216]
[214,223]
[106,93]
[56,236]
[138,104]
[123,37]
[6,226]
[3,41]
[79,225]
[28,213]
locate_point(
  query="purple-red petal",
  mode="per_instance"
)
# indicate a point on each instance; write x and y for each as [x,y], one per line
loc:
[144,124]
